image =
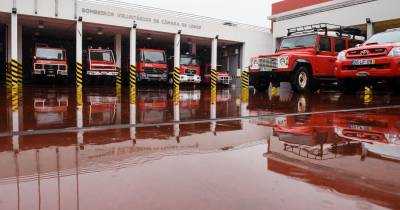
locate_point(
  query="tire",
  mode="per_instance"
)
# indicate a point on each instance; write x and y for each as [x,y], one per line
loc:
[349,86]
[262,84]
[303,81]
[395,86]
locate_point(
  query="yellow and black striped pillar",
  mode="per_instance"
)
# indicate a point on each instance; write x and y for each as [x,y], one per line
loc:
[118,80]
[132,77]
[20,74]
[79,75]
[14,73]
[8,75]
[245,80]
[213,86]
[132,95]
[177,76]
[14,99]
[79,97]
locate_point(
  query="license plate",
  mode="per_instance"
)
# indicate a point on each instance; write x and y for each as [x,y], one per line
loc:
[359,127]
[362,62]
[154,75]
[265,69]
[362,74]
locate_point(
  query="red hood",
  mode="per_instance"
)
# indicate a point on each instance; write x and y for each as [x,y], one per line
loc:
[222,74]
[356,51]
[155,65]
[310,51]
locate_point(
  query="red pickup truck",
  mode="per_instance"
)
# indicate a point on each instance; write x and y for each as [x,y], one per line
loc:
[375,60]
[49,62]
[305,58]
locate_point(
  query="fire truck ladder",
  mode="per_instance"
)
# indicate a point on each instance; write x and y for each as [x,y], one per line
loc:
[325,28]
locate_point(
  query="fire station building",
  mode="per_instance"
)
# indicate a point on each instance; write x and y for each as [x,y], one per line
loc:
[371,16]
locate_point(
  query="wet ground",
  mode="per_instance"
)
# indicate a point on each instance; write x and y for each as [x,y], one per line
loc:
[270,151]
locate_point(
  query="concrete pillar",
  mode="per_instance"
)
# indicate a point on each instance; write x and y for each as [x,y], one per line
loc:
[214,53]
[177,59]
[177,118]
[14,48]
[132,58]
[118,49]
[214,60]
[193,49]
[370,29]
[132,121]
[79,115]
[213,117]
[78,53]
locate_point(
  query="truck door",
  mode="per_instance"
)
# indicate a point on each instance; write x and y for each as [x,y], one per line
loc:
[326,57]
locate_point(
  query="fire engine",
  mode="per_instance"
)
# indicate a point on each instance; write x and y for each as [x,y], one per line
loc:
[151,65]
[100,62]
[305,58]
[376,59]
[223,77]
[49,62]
[189,70]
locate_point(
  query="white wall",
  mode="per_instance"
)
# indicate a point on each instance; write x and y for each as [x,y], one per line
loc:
[354,15]
[258,40]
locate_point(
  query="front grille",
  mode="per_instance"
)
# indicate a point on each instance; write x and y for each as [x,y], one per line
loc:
[364,53]
[190,72]
[153,71]
[268,62]
[51,67]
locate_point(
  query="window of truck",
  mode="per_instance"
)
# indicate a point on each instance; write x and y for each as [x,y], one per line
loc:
[153,57]
[325,44]
[340,45]
[101,56]
[384,38]
[189,61]
[50,54]
[298,42]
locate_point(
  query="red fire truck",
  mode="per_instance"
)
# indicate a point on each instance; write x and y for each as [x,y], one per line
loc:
[189,70]
[376,59]
[223,77]
[49,62]
[100,62]
[305,57]
[151,65]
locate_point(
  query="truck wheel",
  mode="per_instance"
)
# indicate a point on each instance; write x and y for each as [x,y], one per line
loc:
[262,85]
[303,81]
[349,86]
[395,86]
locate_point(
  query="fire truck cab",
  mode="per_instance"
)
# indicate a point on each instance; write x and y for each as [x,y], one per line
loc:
[376,59]
[49,62]
[223,77]
[189,70]
[305,58]
[151,65]
[100,62]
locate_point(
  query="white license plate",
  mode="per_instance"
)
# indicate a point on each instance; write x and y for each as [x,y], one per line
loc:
[359,127]
[362,62]
[265,69]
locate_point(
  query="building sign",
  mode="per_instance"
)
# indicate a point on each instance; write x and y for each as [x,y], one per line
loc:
[139,18]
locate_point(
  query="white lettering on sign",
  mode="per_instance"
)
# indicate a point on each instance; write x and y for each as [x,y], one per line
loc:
[140,18]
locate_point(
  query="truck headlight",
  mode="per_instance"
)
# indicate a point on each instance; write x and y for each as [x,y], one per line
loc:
[341,56]
[255,64]
[393,138]
[394,52]
[283,62]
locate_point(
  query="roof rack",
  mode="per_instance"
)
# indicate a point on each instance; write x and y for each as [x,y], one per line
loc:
[325,28]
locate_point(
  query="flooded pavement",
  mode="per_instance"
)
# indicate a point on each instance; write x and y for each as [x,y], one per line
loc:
[272,151]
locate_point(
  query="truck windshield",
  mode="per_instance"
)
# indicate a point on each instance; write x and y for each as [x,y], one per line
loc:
[189,61]
[384,38]
[50,54]
[298,42]
[154,57]
[101,56]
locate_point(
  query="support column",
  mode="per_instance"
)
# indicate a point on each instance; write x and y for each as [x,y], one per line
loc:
[79,34]
[132,122]
[214,60]
[118,52]
[15,117]
[19,50]
[79,116]
[177,59]
[132,59]
[193,49]
[213,117]
[14,49]
[370,29]
[177,119]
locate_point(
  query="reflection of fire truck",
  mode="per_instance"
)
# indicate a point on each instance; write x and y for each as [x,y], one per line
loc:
[151,65]
[189,104]
[223,76]
[102,110]
[50,62]
[189,70]
[152,107]
[99,62]
[50,110]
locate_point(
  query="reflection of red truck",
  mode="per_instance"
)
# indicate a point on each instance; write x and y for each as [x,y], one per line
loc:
[222,75]
[189,70]
[305,58]
[50,62]
[151,65]
[152,107]
[377,59]
[50,110]
[100,62]
[102,110]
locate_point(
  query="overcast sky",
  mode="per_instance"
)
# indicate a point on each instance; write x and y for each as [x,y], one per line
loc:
[254,12]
